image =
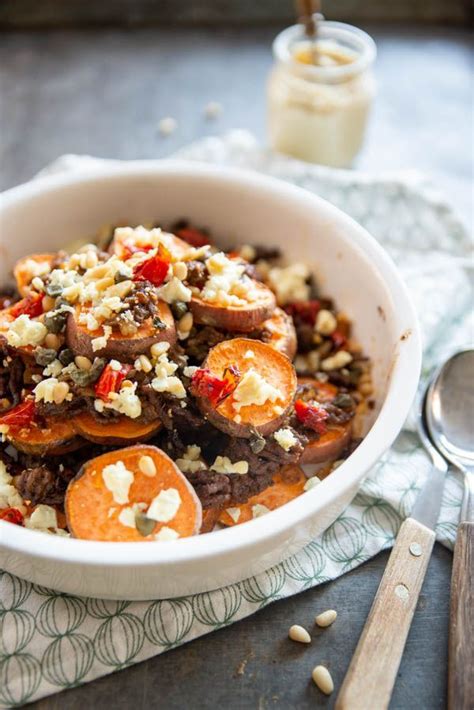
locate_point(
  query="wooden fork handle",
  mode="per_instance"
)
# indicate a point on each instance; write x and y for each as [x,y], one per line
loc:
[371,676]
[461,626]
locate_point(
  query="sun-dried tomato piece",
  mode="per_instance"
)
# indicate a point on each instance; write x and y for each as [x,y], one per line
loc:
[312,415]
[215,389]
[305,311]
[12,515]
[155,268]
[31,306]
[194,237]
[339,339]
[111,381]
[20,416]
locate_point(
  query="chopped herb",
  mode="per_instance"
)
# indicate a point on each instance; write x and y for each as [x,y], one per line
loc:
[83,378]
[55,321]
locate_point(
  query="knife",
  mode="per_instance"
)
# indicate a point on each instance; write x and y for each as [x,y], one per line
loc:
[372,672]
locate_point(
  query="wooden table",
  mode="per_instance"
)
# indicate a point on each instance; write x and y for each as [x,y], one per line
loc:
[103,93]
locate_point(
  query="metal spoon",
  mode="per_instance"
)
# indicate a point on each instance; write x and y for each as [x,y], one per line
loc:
[372,673]
[450,420]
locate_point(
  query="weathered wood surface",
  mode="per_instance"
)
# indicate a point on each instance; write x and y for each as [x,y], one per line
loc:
[103,93]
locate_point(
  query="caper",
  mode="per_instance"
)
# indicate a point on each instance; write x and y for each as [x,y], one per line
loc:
[145,526]
[44,356]
[178,309]
[53,289]
[257,443]
[66,356]
[344,401]
[158,323]
[55,321]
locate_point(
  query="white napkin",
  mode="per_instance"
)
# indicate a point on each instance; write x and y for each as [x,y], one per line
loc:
[50,641]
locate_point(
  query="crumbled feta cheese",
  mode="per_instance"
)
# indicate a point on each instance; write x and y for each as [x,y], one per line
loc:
[190,370]
[326,322]
[31,269]
[191,462]
[118,480]
[290,283]
[285,438]
[165,381]
[258,510]
[115,365]
[166,534]
[44,391]
[126,401]
[164,506]
[253,389]
[226,284]
[234,513]
[249,355]
[158,349]
[101,342]
[174,291]
[311,483]
[222,464]
[24,331]
[336,361]
[9,496]
[53,369]
[42,518]
[127,517]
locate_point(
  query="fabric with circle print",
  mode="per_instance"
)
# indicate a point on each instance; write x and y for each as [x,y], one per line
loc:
[51,641]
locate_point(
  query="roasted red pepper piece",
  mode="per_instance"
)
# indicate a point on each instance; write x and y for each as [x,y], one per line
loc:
[311,415]
[12,515]
[31,306]
[111,380]
[193,236]
[215,389]
[20,416]
[155,268]
[305,311]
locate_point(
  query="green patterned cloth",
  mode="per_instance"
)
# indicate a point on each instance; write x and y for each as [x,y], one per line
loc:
[51,641]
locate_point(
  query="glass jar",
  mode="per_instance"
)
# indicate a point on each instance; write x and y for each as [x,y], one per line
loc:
[319,94]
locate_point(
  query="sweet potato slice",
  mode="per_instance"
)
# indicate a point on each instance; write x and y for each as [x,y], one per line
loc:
[329,446]
[281,334]
[269,367]
[125,245]
[243,319]
[321,391]
[287,485]
[6,318]
[54,438]
[28,267]
[125,348]
[118,432]
[209,519]
[97,511]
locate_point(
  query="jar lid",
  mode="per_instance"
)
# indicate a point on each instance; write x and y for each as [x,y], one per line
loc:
[354,41]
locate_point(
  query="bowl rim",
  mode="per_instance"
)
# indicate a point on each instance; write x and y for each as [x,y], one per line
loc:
[404,376]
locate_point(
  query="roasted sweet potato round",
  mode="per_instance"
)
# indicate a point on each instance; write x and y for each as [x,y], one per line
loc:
[121,431]
[125,348]
[281,334]
[54,438]
[123,246]
[329,446]
[287,484]
[242,319]
[265,378]
[135,494]
[28,267]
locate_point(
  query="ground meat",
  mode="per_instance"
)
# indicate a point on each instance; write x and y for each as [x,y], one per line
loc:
[11,379]
[197,274]
[42,484]
[65,409]
[266,253]
[213,489]
[142,302]
[202,340]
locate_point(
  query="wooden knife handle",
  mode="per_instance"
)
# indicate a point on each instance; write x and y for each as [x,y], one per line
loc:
[461,627]
[374,666]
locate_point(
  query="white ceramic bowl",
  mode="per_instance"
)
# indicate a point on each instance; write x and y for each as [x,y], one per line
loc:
[238,207]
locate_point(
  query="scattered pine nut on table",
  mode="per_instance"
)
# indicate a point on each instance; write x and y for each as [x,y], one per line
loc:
[298,633]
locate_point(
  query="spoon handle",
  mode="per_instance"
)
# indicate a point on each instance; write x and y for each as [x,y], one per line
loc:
[371,676]
[461,627]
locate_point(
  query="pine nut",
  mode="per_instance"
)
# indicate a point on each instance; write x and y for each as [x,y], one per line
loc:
[180,270]
[82,362]
[147,466]
[37,283]
[366,389]
[298,633]
[158,349]
[323,679]
[60,392]
[145,363]
[186,323]
[104,283]
[326,618]
[52,341]
[48,303]
[126,384]
[337,361]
